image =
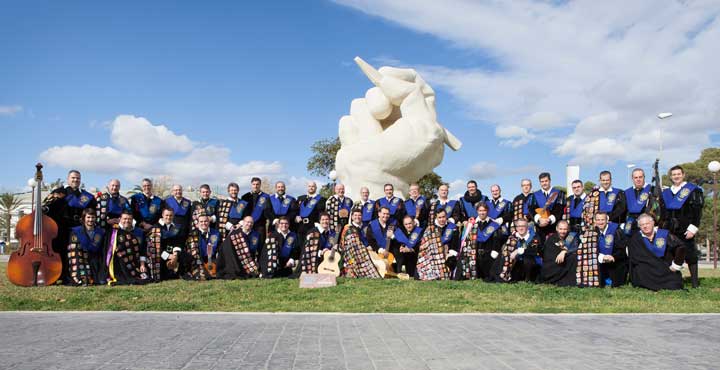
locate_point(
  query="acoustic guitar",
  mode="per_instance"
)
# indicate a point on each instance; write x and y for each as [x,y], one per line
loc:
[331,260]
[544,212]
[210,265]
[330,263]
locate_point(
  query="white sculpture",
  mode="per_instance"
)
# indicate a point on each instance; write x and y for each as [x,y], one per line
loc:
[392,135]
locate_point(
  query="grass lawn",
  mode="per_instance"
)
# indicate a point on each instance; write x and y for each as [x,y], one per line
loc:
[283,295]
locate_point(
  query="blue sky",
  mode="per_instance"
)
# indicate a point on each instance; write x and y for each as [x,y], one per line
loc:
[257,83]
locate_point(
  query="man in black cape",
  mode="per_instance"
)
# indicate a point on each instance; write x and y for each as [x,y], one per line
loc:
[656,257]
[560,257]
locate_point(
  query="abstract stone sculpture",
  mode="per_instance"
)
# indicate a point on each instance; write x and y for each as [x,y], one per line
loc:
[392,135]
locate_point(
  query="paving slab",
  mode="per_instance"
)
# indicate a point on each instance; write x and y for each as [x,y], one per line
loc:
[183,341]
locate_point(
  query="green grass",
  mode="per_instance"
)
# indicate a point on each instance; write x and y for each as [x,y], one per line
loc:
[283,295]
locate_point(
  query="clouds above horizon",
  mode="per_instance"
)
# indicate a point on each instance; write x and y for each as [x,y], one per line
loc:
[143,149]
[585,78]
[10,110]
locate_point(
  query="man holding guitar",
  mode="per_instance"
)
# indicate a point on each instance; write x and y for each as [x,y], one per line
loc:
[546,207]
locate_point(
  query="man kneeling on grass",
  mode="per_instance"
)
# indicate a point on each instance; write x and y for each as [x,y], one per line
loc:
[656,257]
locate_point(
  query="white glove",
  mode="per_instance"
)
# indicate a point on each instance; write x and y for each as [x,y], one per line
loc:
[229,226]
[675,268]
[521,251]
[213,219]
[494,254]
[381,251]
[452,253]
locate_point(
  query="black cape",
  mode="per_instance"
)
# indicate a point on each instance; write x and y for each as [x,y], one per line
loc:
[563,274]
[651,272]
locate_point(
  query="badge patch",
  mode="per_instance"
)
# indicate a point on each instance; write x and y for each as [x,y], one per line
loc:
[254,240]
[448,209]
[644,197]
[501,204]
[185,204]
[420,202]
[489,230]
[313,202]
[660,242]
[239,207]
[395,201]
[286,202]
[684,193]
[152,208]
[608,239]
[290,239]
[369,207]
[213,239]
[611,197]
[414,236]
[84,199]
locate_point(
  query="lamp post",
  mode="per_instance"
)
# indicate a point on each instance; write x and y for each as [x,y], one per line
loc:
[629,167]
[714,167]
[661,116]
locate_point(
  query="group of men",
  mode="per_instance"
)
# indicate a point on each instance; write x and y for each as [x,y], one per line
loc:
[603,238]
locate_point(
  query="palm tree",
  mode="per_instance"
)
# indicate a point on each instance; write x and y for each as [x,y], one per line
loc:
[9,203]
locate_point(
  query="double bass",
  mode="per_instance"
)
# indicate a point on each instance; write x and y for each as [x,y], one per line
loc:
[35,263]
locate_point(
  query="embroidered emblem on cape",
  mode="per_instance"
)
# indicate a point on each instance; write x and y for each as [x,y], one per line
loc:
[239,207]
[448,232]
[152,208]
[684,193]
[262,200]
[414,236]
[213,239]
[660,242]
[608,239]
[611,197]
[369,206]
[501,204]
[84,199]
[489,230]
[448,209]
[395,201]
[313,202]
[185,204]
[644,196]
[420,202]
[286,201]
[254,240]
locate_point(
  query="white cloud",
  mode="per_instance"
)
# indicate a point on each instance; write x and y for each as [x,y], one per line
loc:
[483,170]
[105,160]
[212,164]
[604,67]
[137,135]
[10,110]
[179,160]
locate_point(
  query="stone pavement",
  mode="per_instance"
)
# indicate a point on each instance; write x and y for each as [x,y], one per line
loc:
[356,341]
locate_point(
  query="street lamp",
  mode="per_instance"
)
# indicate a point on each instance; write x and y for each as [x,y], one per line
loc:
[714,167]
[629,166]
[661,116]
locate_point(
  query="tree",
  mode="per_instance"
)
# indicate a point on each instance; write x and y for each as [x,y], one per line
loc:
[323,158]
[323,161]
[9,203]
[561,188]
[588,186]
[429,184]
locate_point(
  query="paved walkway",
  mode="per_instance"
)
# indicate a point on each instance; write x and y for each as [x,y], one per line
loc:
[299,341]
